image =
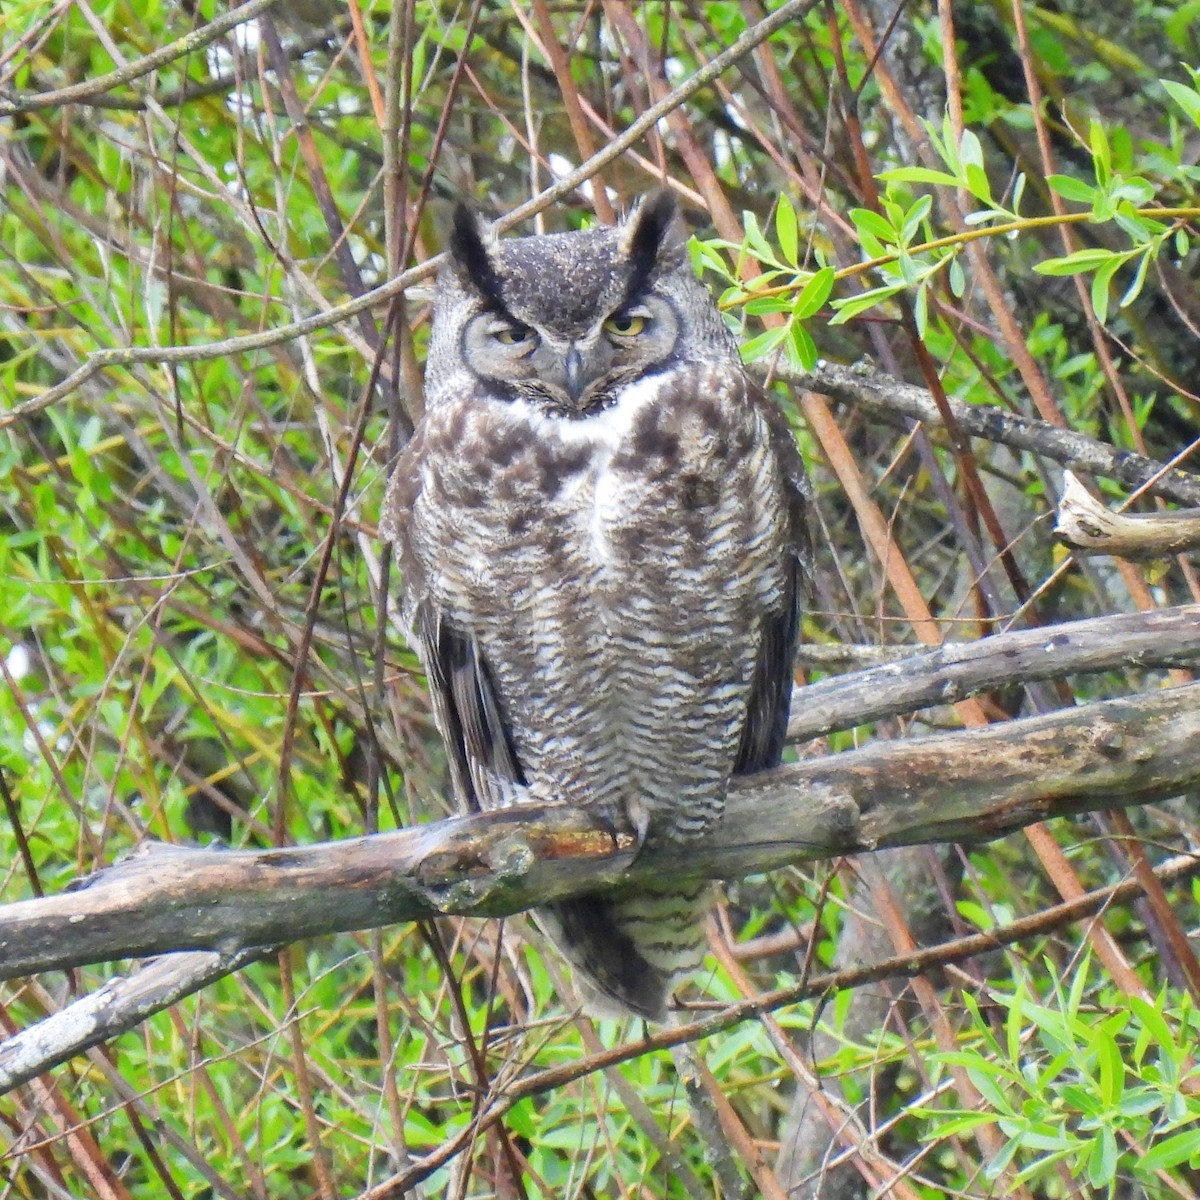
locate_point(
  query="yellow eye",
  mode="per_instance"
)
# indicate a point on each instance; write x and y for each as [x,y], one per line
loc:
[513,335]
[625,325]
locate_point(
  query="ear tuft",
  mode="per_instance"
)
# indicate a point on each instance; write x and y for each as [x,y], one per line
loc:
[653,239]
[469,252]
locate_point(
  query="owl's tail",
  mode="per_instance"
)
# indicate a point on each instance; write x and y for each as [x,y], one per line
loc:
[629,951]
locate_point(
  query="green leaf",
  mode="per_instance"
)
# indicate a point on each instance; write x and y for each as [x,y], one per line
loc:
[1135,190]
[1051,1071]
[958,1124]
[978,183]
[958,280]
[1018,194]
[851,306]
[1142,230]
[1101,152]
[977,914]
[1188,98]
[767,304]
[1104,207]
[1100,286]
[1072,264]
[762,344]
[756,243]
[814,294]
[872,247]
[1043,1137]
[996,1166]
[983,215]
[970,149]
[1111,1064]
[417,67]
[1139,1102]
[801,349]
[786,229]
[915,215]
[1070,188]
[988,1088]
[1139,278]
[1014,1022]
[706,254]
[866,220]
[921,308]
[1043,1164]
[947,145]
[909,269]
[918,175]
[1169,1152]
[1180,24]
[1153,1020]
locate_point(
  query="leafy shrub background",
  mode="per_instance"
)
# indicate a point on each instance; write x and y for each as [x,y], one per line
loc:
[193,607]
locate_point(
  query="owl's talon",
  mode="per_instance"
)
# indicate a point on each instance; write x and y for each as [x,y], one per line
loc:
[609,826]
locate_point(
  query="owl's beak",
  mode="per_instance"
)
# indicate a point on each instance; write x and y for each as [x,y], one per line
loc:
[576,376]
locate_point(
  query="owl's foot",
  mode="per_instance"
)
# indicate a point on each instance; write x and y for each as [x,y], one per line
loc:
[629,818]
[604,819]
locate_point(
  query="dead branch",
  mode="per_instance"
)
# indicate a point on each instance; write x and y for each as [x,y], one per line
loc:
[959,669]
[863,384]
[963,786]
[1085,524]
[111,1010]
[210,904]
[77,1027]
[933,677]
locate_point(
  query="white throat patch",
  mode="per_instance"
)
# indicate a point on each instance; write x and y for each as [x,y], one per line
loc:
[603,433]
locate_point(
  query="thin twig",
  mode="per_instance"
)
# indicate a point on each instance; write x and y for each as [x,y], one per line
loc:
[180,48]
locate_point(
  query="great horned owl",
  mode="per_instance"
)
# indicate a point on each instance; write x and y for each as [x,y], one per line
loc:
[599,523]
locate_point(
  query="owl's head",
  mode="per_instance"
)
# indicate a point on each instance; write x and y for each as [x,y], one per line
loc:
[566,320]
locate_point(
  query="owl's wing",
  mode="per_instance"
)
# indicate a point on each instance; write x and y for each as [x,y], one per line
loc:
[765,728]
[483,760]
[483,763]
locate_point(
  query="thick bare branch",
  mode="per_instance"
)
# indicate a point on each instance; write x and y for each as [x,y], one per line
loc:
[60,1036]
[931,677]
[963,786]
[955,670]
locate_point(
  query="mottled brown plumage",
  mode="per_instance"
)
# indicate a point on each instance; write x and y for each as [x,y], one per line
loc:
[599,523]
